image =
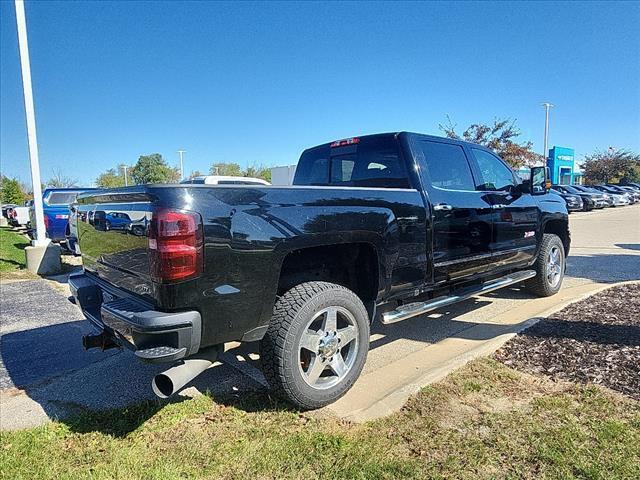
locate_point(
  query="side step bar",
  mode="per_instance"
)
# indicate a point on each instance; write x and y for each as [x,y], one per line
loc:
[418,308]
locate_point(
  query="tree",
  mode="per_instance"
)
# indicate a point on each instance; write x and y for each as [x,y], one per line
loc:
[59,180]
[195,173]
[258,172]
[501,137]
[234,170]
[154,169]
[112,178]
[611,166]
[12,191]
[223,168]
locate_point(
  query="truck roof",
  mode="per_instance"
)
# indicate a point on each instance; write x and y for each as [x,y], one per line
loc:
[356,139]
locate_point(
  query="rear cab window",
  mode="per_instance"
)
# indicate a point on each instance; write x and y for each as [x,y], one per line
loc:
[61,198]
[372,161]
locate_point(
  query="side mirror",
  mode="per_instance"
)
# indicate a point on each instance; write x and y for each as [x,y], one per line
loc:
[540,183]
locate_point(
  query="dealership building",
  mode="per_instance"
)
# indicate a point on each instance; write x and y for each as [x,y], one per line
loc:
[562,167]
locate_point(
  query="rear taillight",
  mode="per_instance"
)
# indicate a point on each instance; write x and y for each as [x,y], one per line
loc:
[175,245]
[46,222]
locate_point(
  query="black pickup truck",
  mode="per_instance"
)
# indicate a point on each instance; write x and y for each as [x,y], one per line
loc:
[377,228]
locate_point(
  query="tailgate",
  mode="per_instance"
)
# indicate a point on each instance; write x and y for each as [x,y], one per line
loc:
[112,232]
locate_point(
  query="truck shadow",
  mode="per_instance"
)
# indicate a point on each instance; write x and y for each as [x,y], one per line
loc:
[91,390]
[629,246]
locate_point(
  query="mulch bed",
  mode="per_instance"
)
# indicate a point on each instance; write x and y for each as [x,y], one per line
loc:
[596,340]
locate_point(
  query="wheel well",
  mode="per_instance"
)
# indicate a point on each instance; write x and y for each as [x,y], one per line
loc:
[352,265]
[561,229]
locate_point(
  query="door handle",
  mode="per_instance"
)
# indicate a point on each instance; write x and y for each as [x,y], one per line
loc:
[442,206]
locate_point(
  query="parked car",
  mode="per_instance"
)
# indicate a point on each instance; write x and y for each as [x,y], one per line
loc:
[629,190]
[55,203]
[71,232]
[589,200]
[377,228]
[6,207]
[139,227]
[635,185]
[574,202]
[612,199]
[615,191]
[224,180]
[18,216]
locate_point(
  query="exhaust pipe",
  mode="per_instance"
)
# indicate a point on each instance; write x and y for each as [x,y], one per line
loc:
[172,380]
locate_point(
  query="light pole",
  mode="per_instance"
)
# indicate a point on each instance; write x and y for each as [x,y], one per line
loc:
[547,106]
[41,236]
[181,152]
[126,179]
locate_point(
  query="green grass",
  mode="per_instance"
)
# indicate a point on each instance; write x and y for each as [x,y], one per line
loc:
[97,242]
[484,421]
[12,260]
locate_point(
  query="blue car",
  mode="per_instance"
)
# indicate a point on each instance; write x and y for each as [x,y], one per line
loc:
[111,220]
[55,203]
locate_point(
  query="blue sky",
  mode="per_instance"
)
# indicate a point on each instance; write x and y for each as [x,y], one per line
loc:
[257,83]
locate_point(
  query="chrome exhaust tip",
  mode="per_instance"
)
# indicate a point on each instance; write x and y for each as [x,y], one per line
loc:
[172,380]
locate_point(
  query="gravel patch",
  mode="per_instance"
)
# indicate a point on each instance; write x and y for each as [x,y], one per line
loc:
[596,340]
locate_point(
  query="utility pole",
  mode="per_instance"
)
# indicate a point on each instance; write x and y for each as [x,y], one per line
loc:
[181,152]
[547,106]
[41,236]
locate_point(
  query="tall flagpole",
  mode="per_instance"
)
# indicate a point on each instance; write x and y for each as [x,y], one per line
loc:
[40,237]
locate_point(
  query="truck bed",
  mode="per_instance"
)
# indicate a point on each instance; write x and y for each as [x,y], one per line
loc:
[248,232]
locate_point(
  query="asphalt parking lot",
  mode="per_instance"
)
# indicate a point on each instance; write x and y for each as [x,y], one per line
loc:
[44,373]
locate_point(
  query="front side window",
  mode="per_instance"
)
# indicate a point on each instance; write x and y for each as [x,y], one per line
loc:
[494,174]
[447,165]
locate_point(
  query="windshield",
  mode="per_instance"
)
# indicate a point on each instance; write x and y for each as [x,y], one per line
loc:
[62,198]
[570,189]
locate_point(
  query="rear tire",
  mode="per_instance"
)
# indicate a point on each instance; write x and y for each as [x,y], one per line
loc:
[316,344]
[549,267]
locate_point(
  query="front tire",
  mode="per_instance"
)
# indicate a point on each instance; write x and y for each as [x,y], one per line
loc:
[316,344]
[549,266]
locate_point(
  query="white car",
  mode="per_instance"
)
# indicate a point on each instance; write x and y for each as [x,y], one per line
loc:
[18,216]
[225,180]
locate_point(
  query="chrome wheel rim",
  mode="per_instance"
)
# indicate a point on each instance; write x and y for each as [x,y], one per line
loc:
[328,347]
[554,266]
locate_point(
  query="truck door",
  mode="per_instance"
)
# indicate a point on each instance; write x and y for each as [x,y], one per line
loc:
[516,214]
[462,216]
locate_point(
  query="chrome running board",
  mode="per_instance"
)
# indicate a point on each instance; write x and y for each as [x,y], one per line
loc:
[418,308]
